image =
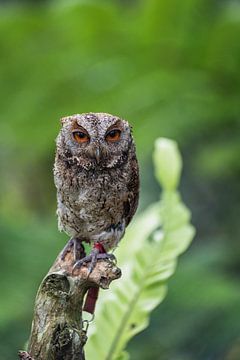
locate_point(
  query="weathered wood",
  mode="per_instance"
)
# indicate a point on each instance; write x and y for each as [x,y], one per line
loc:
[57,329]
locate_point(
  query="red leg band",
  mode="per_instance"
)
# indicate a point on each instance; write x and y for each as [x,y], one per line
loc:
[100,247]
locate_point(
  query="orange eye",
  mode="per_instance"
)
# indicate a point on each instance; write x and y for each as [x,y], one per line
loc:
[80,136]
[113,135]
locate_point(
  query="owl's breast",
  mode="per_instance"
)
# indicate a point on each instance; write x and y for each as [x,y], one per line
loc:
[92,204]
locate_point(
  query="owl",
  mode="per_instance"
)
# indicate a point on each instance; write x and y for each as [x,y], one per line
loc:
[97,179]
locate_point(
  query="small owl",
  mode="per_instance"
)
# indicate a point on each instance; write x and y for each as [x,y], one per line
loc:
[97,180]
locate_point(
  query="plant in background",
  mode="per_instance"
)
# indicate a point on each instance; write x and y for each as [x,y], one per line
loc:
[148,257]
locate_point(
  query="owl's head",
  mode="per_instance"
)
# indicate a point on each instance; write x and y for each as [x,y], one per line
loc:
[94,140]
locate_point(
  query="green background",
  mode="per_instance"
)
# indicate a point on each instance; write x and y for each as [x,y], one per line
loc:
[172,69]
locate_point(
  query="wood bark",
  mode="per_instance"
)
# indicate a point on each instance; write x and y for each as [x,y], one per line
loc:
[57,328]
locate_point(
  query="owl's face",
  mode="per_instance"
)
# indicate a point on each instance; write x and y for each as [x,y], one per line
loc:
[94,140]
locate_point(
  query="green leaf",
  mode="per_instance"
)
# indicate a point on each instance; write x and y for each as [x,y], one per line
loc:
[168,163]
[147,257]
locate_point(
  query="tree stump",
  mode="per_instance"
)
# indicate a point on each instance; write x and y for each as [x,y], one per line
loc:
[57,328]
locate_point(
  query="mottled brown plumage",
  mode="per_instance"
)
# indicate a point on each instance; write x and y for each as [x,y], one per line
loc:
[96,176]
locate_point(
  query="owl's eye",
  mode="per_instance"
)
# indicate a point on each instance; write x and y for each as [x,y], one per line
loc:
[80,136]
[113,135]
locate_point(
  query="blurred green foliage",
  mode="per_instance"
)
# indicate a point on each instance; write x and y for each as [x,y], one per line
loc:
[172,69]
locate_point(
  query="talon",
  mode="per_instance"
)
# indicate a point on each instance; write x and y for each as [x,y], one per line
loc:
[82,262]
[107,256]
[92,259]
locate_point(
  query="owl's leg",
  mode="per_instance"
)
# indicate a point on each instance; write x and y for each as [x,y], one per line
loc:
[78,249]
[98,252]
[111,236]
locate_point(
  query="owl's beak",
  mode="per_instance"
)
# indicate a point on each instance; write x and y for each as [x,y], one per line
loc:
[97,155]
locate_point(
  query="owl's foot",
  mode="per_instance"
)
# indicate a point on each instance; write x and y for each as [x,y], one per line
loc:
[78,249]
[92,258]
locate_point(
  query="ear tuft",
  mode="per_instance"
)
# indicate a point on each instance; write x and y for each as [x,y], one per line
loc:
[63,120]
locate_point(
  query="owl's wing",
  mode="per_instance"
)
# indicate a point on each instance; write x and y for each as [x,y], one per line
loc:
[130,206]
